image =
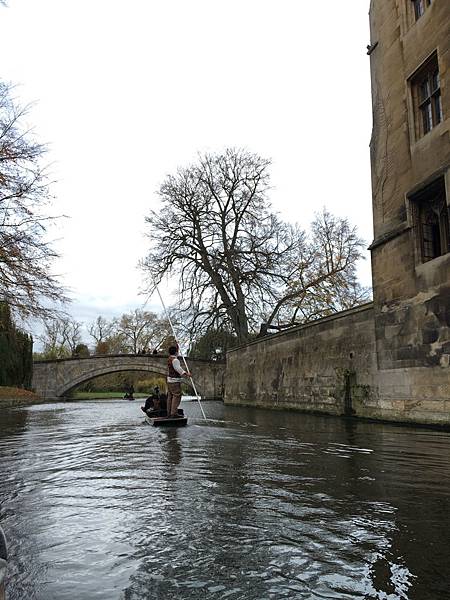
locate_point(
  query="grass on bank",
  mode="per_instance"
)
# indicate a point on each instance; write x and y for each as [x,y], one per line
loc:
[102,395]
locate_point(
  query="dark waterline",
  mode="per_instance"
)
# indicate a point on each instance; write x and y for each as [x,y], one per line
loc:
[256,505]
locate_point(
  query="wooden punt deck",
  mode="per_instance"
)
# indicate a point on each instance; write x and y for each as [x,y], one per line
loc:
[165,422]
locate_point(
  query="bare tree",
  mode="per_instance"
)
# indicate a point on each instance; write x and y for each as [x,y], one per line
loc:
[101,329]
[322,279]
[72,334]
[141,330]
[26,282]
[216,234]
[236,262]
[60,337]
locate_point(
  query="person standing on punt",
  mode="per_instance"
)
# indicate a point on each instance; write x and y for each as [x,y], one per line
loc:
[175,374]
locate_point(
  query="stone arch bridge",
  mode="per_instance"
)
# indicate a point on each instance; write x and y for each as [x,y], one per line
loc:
[53,379]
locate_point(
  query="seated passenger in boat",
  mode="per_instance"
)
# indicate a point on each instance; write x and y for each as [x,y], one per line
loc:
[149,404]
[155,405]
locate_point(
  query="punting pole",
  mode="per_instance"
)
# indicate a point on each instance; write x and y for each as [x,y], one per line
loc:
[182,356]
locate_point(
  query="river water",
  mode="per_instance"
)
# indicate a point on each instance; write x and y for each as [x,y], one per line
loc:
[251,505]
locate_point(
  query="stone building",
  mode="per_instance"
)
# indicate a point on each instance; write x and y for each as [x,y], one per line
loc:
[390,359]
[410,156]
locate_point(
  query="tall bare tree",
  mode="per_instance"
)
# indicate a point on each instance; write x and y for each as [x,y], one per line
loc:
[26,257]
[217,236]
[236,262]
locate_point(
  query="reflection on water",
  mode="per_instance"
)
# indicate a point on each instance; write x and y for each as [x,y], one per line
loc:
[253,505]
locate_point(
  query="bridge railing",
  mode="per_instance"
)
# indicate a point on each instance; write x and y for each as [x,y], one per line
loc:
[122,355]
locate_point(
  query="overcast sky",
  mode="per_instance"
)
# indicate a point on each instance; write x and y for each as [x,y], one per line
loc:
[126,92]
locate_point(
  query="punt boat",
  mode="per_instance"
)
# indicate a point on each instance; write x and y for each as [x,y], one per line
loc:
[158,421]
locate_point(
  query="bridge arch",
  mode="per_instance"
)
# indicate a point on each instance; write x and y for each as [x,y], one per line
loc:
[93,374]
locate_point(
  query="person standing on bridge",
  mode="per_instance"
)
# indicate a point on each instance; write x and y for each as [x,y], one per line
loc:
[175,374]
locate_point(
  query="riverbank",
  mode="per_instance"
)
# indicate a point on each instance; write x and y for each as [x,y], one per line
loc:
[11,396]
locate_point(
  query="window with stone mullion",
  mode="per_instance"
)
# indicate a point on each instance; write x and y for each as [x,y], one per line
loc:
[419,7]
[429,100]
[431,235]
[433,221]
